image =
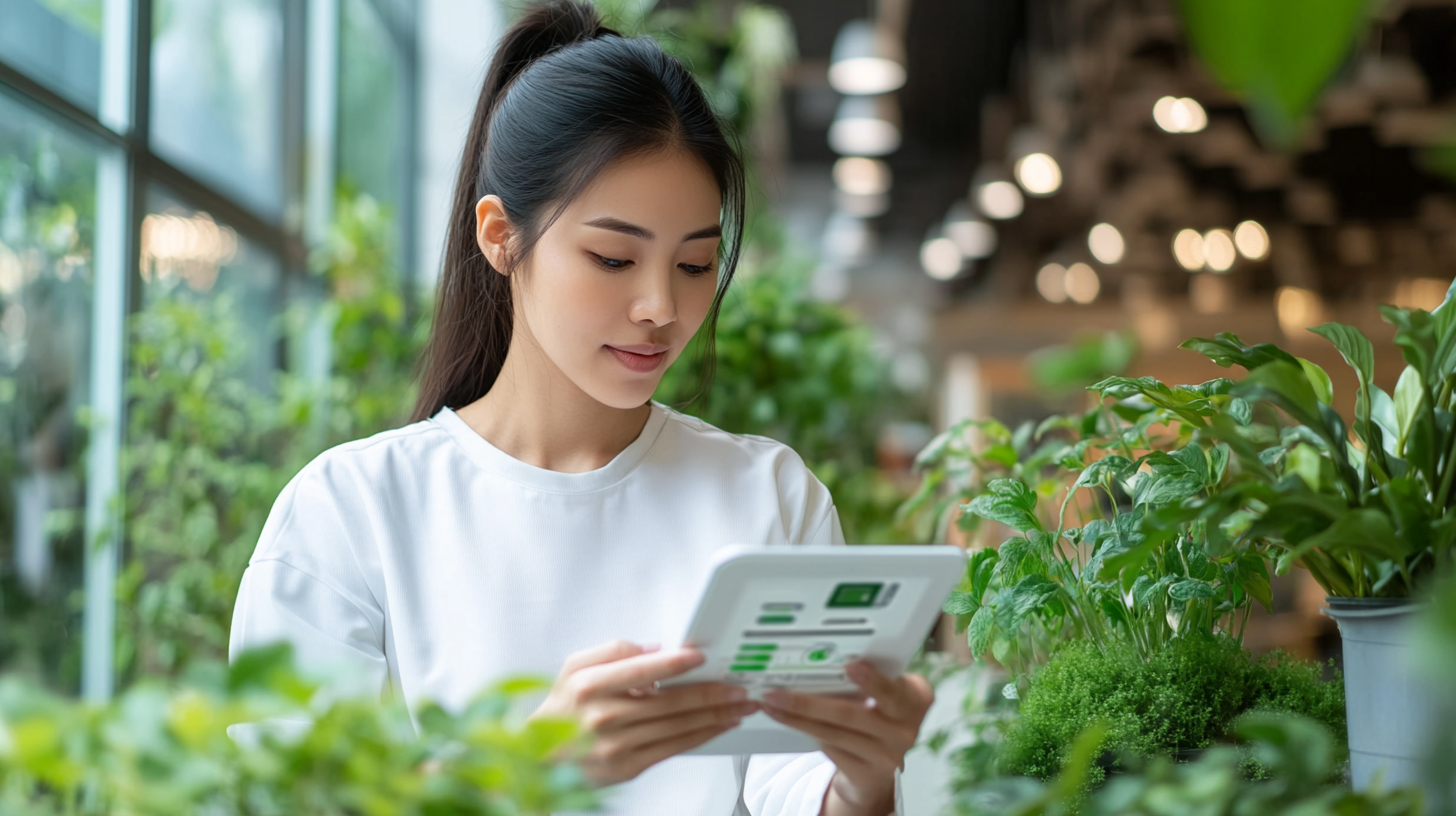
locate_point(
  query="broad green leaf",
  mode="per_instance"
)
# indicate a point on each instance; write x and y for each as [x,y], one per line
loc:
[1287,386]
[1227,349]
[1240,409]
[1382,415]
[1319,380]
[1009,502]
[1415,334]
[1191,588]
[1275,56]
[1166,490]
[980,568]
[1015,604]
[978,633]
[960,603]
[1409,396]
[1365,531]
[1218,457]
[1359,354]
[1114,466]
[1305,462]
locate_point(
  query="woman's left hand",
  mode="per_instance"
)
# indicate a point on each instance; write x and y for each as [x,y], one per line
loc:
[866,738]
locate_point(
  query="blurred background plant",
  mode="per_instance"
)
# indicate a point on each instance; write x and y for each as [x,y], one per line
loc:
[162,749]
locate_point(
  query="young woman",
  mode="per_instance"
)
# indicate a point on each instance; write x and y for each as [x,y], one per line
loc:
[541,514]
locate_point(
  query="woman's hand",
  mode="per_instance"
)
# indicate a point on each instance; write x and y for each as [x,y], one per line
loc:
[611,690]
[866,738]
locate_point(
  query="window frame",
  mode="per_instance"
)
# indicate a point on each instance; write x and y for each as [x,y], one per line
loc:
[121,126]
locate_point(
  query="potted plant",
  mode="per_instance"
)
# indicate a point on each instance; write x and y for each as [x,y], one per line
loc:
[1373,517]
[1099,612]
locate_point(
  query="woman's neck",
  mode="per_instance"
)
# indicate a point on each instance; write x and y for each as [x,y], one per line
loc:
[535,414]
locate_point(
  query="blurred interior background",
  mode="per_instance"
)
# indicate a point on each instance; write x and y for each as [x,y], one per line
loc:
[220,223]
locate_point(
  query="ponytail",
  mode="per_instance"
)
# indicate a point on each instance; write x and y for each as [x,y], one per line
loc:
[473,316]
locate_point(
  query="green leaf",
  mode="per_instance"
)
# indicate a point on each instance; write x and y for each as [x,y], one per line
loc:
[1319,380]
[1409,396]
[980,568]
[1227,349]
[1009,502]
[1190,588]
[1359,354]
[1276,57]
[1240,410]
[1115,467]
[960,603]
[1028,596]
[978,633]
[1152,490]
[1365,531]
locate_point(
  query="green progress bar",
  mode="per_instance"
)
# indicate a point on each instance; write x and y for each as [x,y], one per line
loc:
[761,657]
[762,619]
[744,667]
[758,647]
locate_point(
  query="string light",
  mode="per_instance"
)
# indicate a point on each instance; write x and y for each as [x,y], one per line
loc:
[1039,174]
[1188,249]
[1106,243]
[1218,250]
[1252,240]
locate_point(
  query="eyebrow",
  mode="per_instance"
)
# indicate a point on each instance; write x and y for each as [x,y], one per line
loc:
[607,222]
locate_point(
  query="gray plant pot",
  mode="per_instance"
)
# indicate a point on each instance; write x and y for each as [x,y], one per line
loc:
[1388,708]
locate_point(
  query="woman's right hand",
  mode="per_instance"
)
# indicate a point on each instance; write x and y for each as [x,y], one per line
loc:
[611,690]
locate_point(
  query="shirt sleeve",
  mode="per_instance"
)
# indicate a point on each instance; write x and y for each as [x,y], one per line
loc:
[304,586]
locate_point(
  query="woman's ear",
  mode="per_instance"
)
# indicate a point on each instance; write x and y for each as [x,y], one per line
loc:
[493,231]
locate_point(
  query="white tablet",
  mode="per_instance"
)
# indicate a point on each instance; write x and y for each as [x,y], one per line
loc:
[791,617]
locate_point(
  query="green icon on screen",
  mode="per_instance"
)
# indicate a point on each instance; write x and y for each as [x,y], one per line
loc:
[854,595]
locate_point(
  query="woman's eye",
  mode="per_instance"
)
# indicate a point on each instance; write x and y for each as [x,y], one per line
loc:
[696,270]
[612,263]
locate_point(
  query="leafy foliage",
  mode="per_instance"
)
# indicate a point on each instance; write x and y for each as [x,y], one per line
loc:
[1372,517]
[1140,561]
[1300,755]
[164,751]
[207,450]
[1183,698]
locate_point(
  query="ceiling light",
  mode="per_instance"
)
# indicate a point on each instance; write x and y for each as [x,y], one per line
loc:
[1252,240]
[1177,115]
[1051,282]
[975,238]
[1082,283]
[859,175]
[866,126]
[1039,174]
[941,258]
[866,60]
[1106,243]
[1297,310]
[999,199]
[1218,250]
[1188,249]
[862,206]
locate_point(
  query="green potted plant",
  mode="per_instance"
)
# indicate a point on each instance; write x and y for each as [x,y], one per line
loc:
[1372,517]
[1098,612]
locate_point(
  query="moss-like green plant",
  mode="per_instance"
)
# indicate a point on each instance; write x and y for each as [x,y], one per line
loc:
[1301,755]
[1182,699]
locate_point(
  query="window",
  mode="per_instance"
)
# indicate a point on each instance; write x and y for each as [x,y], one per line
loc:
[192,195]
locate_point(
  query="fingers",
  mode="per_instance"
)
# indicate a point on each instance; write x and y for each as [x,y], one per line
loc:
[844,713]
[613,713]
[633,671]
[603,653]
[905,698]
[629,766]
[869,749]
[635,736]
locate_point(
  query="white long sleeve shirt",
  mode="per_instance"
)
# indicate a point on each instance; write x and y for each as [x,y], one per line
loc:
[428,560]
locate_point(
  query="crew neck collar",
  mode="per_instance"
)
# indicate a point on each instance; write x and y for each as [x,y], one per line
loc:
[497,461]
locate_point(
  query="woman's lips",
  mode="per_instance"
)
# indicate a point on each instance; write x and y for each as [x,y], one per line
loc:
[641,359]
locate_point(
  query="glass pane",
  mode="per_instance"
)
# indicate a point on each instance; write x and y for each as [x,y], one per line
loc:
[47,216]
[200,387]
[217,91]
[58,43]
[371,157]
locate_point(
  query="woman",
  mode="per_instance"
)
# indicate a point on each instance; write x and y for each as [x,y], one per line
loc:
[541,514]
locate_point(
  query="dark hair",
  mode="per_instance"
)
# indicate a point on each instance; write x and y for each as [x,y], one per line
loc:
[564,97]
